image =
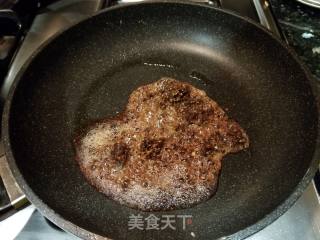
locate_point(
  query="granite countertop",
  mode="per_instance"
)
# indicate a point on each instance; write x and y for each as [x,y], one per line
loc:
[301,27]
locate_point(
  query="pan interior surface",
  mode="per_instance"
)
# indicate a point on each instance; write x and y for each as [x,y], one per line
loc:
[88,72]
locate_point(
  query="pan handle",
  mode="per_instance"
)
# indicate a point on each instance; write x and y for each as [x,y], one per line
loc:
[16,198]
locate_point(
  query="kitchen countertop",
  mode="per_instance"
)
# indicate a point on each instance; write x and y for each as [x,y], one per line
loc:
[301,27]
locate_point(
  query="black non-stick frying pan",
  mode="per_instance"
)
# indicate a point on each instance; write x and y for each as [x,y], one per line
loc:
[88,72]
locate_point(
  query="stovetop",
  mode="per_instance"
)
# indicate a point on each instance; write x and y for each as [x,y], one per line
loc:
[302,221]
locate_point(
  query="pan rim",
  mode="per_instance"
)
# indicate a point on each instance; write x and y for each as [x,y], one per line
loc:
[83,233]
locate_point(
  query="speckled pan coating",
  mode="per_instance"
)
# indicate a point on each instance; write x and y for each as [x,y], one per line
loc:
[88,72]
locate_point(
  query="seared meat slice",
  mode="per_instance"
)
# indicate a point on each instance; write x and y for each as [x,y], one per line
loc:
[164,151]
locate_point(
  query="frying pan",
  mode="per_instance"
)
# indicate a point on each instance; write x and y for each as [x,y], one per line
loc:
[87,73]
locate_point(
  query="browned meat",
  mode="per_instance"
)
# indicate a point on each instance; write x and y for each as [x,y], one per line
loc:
[164,151]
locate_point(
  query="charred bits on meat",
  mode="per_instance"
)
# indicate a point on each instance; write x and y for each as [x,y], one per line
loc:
[120,153]
[152,147]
